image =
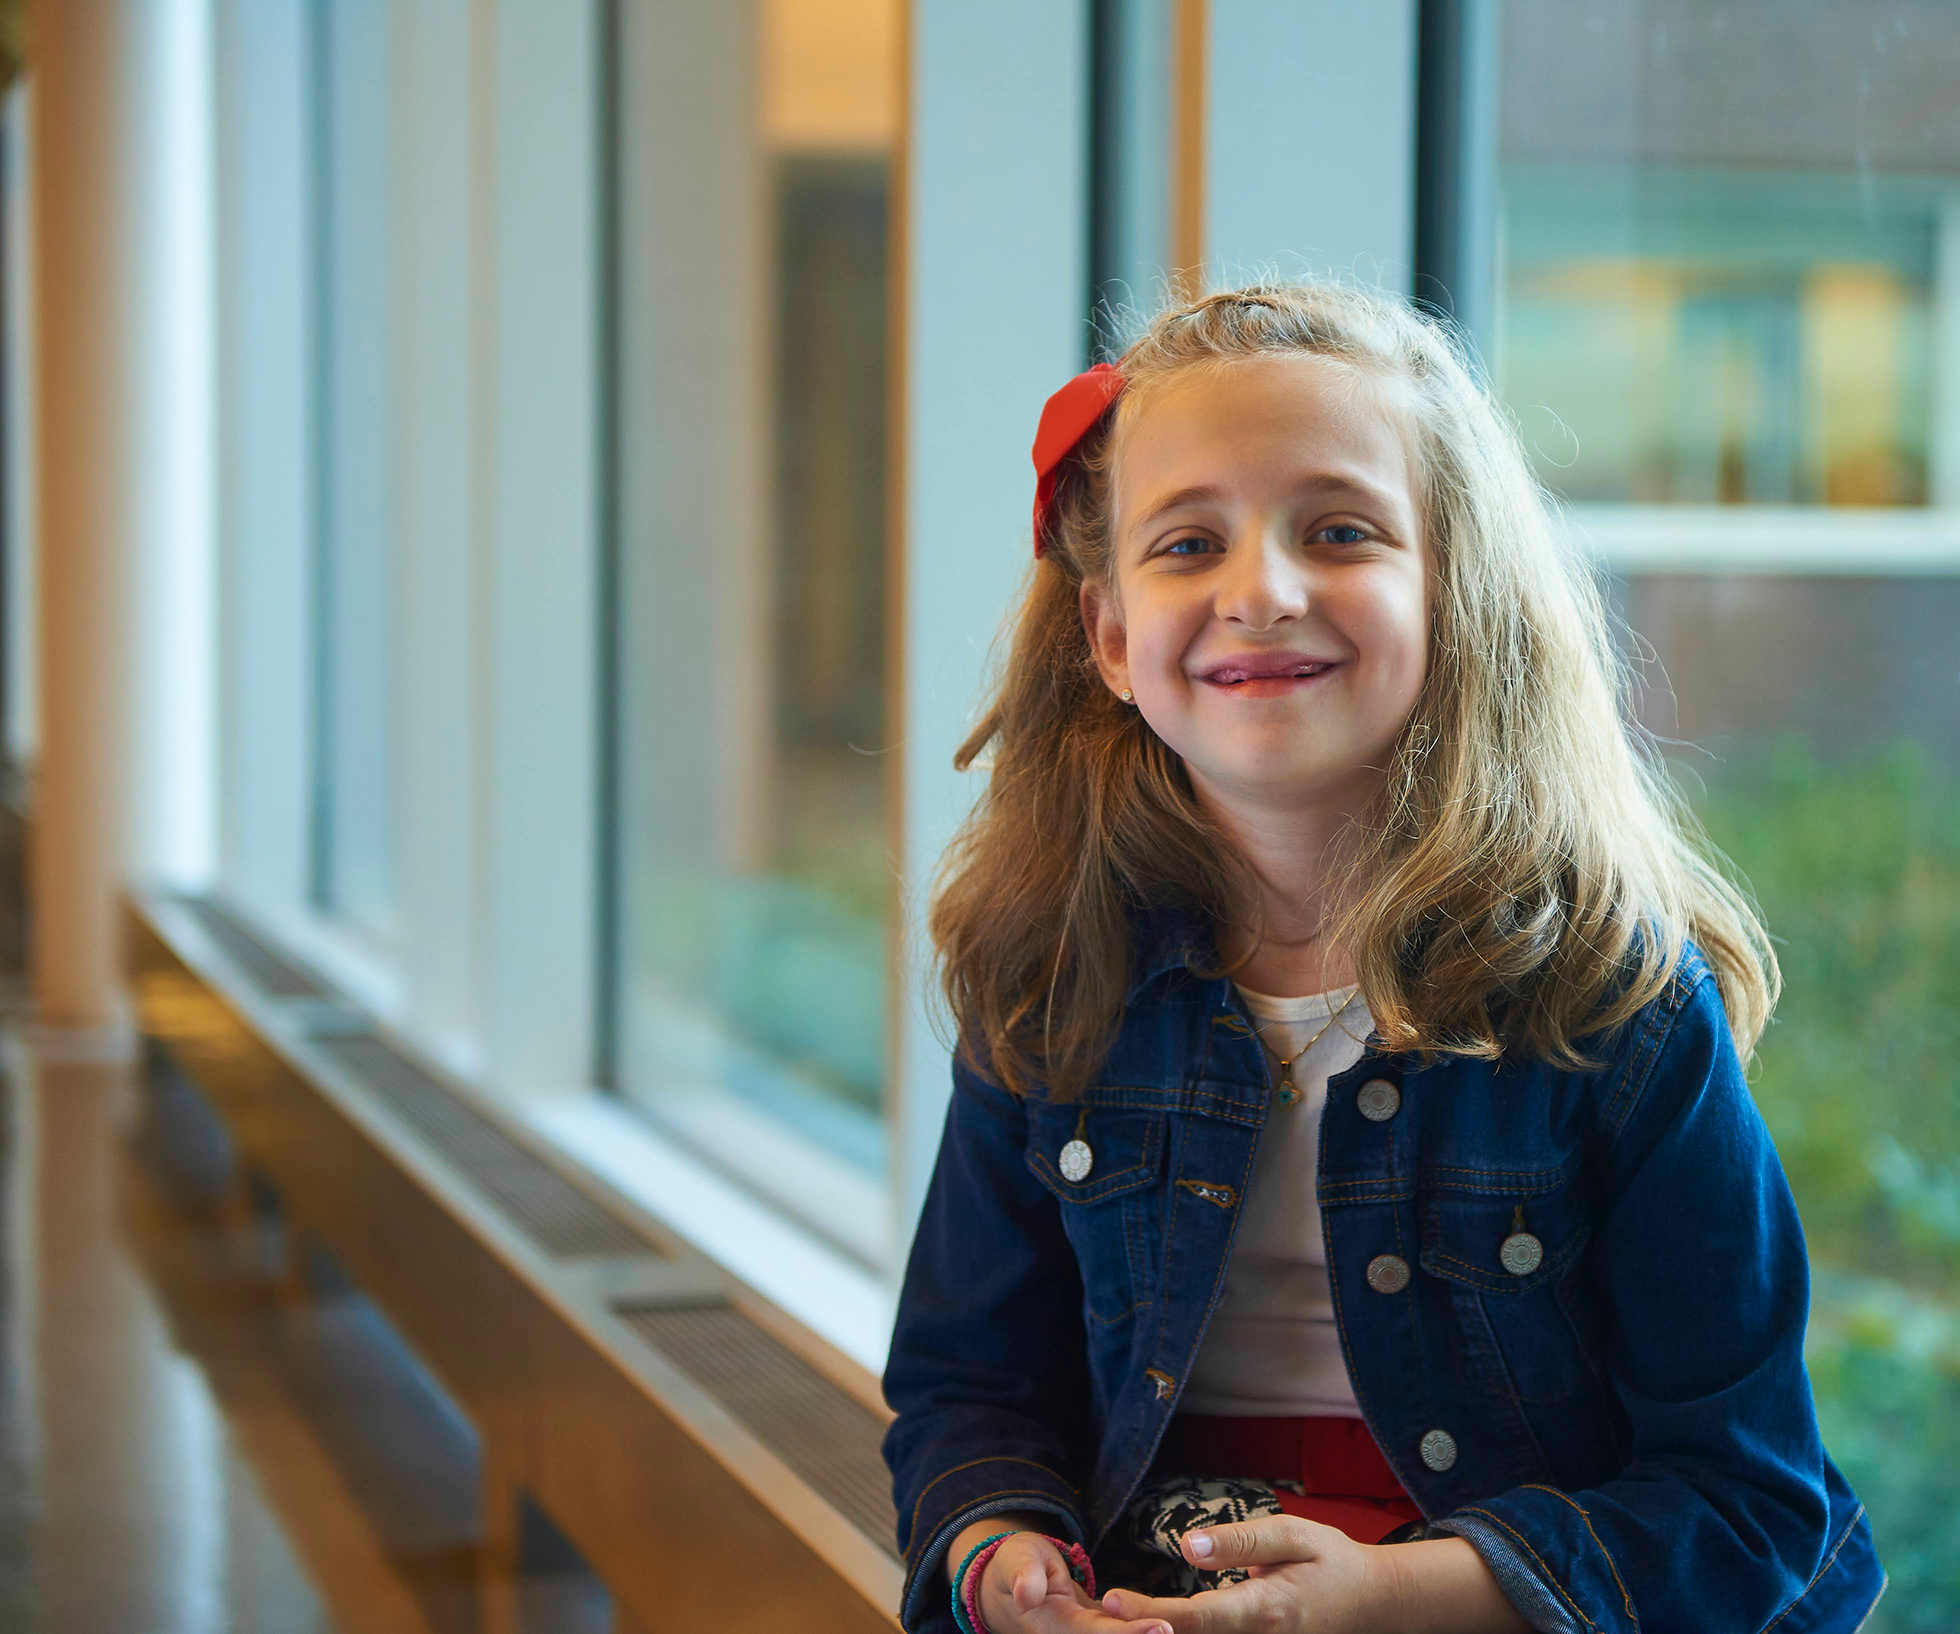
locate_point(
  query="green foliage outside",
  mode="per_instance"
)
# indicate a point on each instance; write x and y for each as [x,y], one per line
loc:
[1857,871]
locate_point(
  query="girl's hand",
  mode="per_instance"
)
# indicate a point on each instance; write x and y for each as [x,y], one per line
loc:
[1306,1577]
[1026,1589]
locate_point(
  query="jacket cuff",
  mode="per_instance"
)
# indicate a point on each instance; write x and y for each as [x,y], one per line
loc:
[969,1493]
[1537,1601]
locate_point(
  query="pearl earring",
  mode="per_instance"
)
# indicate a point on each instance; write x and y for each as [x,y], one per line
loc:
[1125,696]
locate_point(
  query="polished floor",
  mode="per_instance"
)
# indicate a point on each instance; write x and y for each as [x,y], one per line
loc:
[202,1427]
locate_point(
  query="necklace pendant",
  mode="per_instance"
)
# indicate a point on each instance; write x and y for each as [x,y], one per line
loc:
[1287,1093]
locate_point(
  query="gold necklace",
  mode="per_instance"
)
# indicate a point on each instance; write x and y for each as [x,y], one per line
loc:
[1286,1093]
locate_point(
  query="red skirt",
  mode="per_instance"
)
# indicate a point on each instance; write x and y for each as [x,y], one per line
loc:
[1348,1483]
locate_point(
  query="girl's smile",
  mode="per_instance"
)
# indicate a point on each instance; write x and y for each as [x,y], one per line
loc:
[1271,612]
[1262,675]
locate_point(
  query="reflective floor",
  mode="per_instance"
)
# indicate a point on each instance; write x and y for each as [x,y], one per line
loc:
[202,1427]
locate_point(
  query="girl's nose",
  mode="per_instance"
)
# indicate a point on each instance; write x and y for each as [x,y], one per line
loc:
[1263,580]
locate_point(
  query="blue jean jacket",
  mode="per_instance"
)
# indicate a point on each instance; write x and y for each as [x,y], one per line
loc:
[1623,1430]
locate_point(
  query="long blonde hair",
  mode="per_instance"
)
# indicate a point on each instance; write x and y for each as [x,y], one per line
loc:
[1529,876]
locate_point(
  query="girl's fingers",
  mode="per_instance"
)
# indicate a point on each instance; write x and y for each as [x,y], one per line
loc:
[1031,1582]
[1024,1569]
[1041,1597]
[1075,1613]
[1265,1540]
[1063,1617]
[1236,1609]
[1131,1610]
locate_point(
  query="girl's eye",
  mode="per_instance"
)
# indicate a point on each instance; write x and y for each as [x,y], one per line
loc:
[1343,533]
[1176,546]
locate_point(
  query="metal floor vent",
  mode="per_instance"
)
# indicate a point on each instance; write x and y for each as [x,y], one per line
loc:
[274,975]
[818,1429]
[559,1217]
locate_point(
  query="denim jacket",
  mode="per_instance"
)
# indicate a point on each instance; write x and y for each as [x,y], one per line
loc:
[1623,1429]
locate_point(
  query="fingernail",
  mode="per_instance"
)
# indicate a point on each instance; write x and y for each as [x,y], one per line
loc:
[1201,1545]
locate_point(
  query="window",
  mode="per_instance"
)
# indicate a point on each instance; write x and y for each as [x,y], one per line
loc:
[756,874]
[1729,325]
[1731,237]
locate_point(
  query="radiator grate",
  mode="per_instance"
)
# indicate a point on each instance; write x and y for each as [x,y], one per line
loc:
[562,1219]
[817,1428]
[273,974]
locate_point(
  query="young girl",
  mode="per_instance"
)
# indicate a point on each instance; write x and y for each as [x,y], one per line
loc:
[1350,1213]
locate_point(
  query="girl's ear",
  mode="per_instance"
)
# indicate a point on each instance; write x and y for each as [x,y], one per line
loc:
[1103,625]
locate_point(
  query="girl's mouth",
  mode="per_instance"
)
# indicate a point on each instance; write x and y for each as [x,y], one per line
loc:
[1268,686]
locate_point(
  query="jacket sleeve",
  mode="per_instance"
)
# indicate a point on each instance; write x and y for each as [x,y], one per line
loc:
[988,1371]
[1721,1517]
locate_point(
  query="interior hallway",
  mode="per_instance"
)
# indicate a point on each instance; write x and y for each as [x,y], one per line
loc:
[202,1427]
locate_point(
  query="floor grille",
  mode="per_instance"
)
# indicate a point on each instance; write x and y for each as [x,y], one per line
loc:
[562,1219]
[274,975]
[820,1430]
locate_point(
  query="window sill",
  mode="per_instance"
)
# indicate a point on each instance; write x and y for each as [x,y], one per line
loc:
[1767,539]
[829,1290]
[820,1286]
[349,956]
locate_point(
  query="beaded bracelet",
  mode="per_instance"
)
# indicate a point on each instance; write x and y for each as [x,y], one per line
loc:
[985,1547]
[966,1581]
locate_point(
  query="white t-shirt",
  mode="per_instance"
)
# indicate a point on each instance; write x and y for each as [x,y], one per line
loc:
[1272,1350]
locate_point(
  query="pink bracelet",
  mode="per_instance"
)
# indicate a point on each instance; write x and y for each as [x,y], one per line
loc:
[1074,1554]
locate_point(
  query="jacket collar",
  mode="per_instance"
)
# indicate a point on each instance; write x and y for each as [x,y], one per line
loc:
[1166,938]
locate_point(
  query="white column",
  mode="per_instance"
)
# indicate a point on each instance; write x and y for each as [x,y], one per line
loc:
[996,244]
[85,60]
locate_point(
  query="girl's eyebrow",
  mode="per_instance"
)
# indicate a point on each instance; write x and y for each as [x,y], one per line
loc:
[1201,493]
[1196,495]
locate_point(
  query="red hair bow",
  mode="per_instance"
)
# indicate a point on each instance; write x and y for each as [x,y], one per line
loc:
[1066,419]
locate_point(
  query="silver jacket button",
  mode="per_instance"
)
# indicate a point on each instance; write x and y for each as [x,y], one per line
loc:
[1439,1450]
[1388,1273]
[1379,1100]
[1521,1253]
[1077,1160]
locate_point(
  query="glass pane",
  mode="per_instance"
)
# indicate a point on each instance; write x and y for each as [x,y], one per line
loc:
[1829,710]
[1732,278]
[755,159]
[353,583]
[1727,234]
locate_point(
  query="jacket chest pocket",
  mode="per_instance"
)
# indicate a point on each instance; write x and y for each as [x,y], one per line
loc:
[1512,1266]
[1103,1165]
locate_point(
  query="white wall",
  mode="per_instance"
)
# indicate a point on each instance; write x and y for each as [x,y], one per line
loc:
[996,240]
